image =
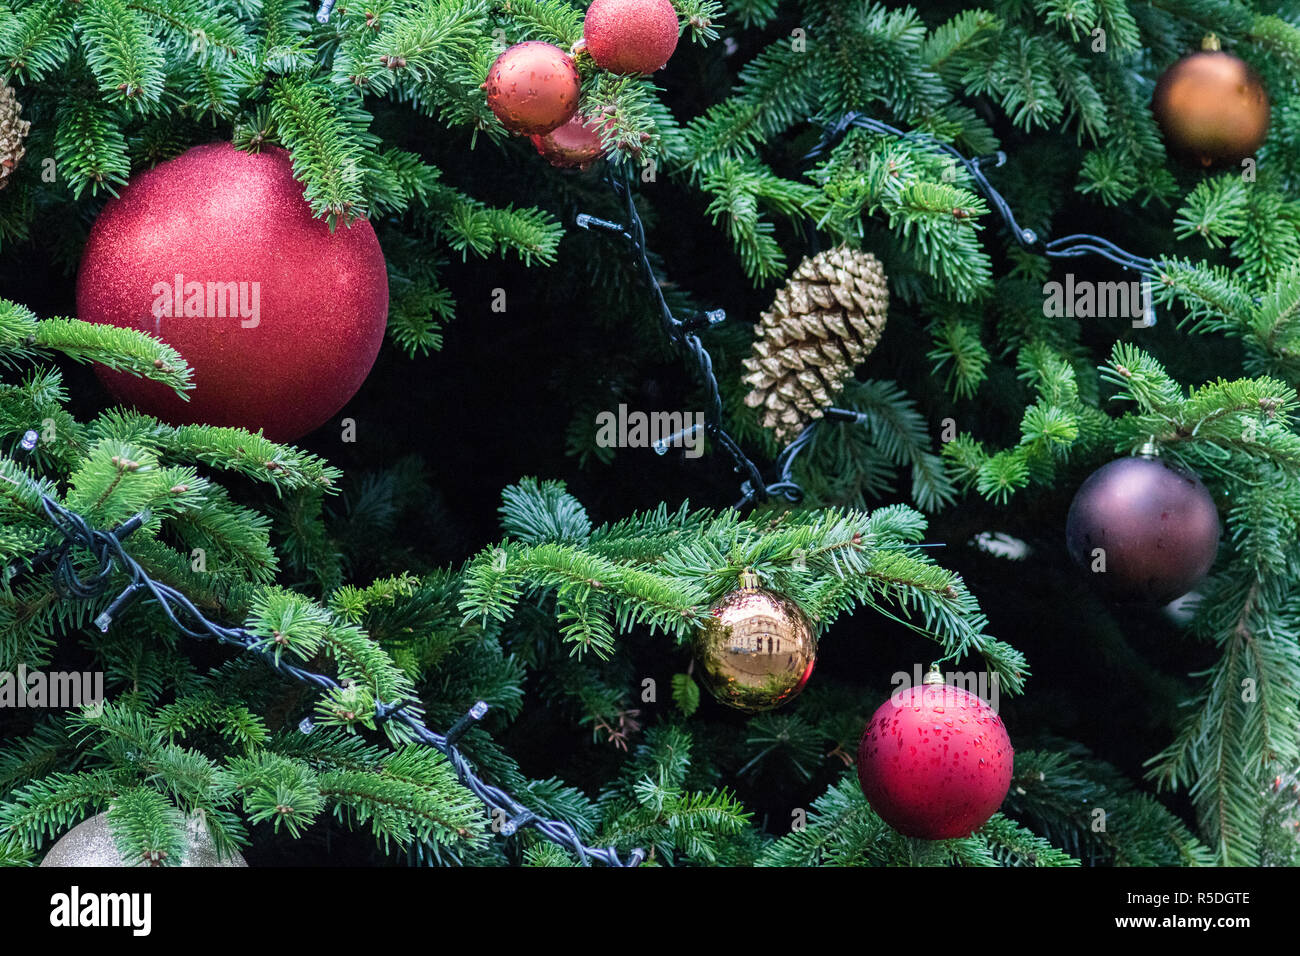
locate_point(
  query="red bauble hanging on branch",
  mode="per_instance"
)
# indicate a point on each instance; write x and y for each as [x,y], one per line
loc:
[630,36]
[533,88]
[1211,107]
[576,144]
[216,252]
[935,761]
[1147,530]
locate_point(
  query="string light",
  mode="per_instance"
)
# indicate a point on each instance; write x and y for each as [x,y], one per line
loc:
[109,555]
[682,333]
[1079,244]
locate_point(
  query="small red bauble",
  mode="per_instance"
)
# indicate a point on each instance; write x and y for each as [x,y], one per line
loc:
[630,36]
[216,252]
[575,144]
[935,761]
[1148,531]
[533,88]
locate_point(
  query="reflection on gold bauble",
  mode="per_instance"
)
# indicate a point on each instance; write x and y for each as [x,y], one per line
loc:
[1211,106]
[756,649]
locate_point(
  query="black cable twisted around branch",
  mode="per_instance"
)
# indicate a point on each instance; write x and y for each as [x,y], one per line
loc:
[683,333]
[108,553]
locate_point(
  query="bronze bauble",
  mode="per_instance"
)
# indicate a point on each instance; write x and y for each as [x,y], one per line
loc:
[1211,107]
[756,649]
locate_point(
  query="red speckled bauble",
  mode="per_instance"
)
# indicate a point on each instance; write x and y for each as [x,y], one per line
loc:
[1211,107]
[533,88]
[216,253]
[1148,531]
[935,761]
[630,36]
[575,144]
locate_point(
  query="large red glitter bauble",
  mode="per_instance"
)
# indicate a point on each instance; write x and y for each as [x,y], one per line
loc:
[630,36]
[575,144]
[1154,525]
[533,88]
[280,318]
[935,762]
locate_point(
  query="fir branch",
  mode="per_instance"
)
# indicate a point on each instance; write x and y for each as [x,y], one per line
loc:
[323,135]
[125,57]
[89,146]
[36,40]
[121,349]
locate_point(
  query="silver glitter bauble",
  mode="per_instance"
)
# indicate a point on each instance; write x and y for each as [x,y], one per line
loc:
[90,843]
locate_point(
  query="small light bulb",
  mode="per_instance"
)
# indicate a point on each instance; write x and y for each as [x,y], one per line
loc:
[661,445]
[1148,305]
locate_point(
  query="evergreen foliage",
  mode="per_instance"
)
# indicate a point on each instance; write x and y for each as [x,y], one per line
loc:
[560,618]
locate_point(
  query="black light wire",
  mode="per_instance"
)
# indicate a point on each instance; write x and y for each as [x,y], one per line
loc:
[108,554]
[1071,246]
[683,333]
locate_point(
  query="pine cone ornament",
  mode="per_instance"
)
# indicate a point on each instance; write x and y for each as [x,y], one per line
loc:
[12,133]
[825,320]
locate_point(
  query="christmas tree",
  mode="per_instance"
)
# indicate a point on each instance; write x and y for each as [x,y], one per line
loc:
[496,432]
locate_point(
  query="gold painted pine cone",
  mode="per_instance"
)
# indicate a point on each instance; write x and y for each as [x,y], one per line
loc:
[823,323]
[13,130]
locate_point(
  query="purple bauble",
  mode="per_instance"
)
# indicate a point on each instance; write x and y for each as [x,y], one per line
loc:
[1156,525]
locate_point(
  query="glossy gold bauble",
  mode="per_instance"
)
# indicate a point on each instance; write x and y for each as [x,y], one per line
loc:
[1212,107]
[756,649]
